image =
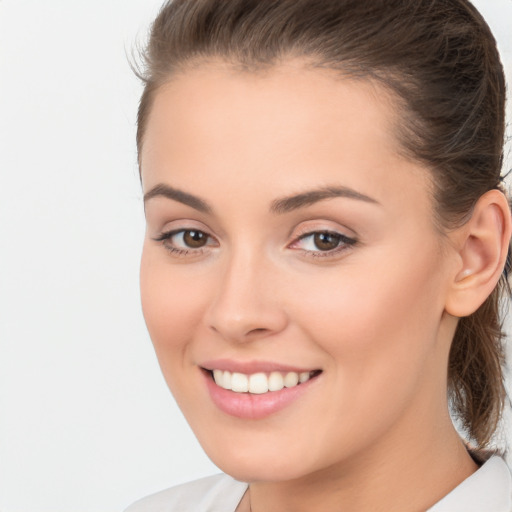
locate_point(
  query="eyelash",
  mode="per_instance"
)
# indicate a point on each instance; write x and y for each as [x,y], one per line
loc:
[176,251]
[344,243]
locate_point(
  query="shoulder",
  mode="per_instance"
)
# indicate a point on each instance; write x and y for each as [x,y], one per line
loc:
[489,489]
[218,493]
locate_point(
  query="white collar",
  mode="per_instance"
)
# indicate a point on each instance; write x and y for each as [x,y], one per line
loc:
[489,489]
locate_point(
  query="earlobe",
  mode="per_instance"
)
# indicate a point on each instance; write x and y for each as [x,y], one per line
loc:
[483,244]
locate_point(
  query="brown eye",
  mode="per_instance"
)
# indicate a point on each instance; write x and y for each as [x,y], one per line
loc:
[183,242]
[326,241]
[323,243]
[195,239]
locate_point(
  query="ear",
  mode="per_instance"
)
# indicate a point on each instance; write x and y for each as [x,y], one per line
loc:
[482,245]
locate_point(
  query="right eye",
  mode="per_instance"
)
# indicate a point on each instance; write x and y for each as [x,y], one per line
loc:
[185,241]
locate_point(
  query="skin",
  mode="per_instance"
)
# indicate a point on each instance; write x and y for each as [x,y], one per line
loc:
[373,431]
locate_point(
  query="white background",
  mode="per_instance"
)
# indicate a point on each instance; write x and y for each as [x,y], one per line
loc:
[86,422]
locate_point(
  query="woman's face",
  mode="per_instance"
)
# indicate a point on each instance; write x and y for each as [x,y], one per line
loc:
[287,240]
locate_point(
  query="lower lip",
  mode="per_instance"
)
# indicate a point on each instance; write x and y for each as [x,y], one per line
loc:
[253,406]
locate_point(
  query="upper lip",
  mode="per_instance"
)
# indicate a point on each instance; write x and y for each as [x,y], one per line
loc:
[250,367]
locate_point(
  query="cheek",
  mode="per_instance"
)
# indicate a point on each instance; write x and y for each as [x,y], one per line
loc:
[379,330]
[378,324]
[172,307]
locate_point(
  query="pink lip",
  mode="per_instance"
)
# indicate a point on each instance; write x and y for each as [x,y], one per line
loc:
[251,406]
[250,367]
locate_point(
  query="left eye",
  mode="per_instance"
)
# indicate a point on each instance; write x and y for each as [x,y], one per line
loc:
[323,241]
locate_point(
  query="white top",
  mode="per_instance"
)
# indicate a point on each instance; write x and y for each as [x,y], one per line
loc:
[489,489]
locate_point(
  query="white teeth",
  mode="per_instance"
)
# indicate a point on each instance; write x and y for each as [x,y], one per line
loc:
[275,382]
[223,379]
[239,383]
[303,377]
[218,377]
[291,379]
[226,380]
[258,383]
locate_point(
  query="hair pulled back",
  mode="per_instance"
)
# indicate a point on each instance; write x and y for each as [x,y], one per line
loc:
[439,60]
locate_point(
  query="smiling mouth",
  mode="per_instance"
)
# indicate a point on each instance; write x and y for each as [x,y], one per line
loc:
[260,383]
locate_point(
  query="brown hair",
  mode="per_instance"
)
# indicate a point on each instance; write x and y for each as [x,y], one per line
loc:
[438,58]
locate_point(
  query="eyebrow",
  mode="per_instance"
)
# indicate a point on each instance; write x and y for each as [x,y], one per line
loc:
[162,190]
[278,206]
[288,204]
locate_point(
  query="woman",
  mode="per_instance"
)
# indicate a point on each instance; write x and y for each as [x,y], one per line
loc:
[326,242]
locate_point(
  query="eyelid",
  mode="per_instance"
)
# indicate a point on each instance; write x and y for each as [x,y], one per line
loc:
[343,237]
[345,241]
[165,238]
[167,234]
[178,224]
[322,226]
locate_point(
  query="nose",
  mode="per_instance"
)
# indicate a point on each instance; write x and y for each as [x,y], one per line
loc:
[246,305]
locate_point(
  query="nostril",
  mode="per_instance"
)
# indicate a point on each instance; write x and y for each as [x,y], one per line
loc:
[245,322]
[258,330]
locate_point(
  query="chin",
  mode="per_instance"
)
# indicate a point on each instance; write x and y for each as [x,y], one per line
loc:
[271,460]
[260,471]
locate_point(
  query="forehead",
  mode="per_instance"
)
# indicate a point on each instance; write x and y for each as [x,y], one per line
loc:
[291,99]
[289,123]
